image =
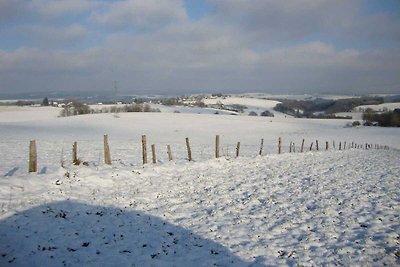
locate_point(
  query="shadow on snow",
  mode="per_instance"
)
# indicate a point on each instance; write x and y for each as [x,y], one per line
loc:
[69,233]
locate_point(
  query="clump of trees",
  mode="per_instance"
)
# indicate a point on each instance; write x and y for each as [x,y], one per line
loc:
[285,108]
[267,113]
[253,113]
[21,103]
[387,119]
[309,107]
[45,102]
[77,108]
[74,107]
[235,107]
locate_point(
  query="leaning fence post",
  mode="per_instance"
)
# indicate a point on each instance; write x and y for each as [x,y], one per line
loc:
[153,153]
[302,146]
[279,145]
[261,146]
[169,152]
[311,145]
[107,156]
[189,151]
[32,156]
[75,154]
[144,149]
[237,149]
[217,146]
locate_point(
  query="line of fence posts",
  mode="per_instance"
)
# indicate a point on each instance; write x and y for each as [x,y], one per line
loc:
[107,155]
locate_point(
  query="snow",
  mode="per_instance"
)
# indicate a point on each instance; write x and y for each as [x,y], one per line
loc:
[27,114]
[380,107]
[318,208]
[255,104]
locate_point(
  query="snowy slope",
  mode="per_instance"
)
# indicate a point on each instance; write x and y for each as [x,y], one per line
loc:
[312,209]
[380,107]
[257,105]
[55,136]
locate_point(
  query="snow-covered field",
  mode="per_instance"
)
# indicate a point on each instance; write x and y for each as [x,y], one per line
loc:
[255,104]
[380,107]
[319,208]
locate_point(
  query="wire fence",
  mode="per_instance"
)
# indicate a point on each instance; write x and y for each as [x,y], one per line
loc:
[51,155]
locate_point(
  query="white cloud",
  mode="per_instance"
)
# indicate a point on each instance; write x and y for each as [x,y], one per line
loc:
[11,9]
[277,22]
[55,9]
[141,14]
[244,45]
[52,36]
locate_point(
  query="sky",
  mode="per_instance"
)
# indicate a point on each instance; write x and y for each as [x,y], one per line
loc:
[200,46]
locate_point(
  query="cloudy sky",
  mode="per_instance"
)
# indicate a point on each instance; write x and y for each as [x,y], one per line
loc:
[195,46]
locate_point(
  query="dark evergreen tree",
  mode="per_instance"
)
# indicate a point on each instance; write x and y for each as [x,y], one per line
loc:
[45,102]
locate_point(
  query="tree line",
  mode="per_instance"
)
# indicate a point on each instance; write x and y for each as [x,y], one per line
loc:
[77,108]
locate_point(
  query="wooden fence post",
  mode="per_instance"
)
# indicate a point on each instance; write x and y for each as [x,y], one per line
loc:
[340,145]
[153,153]
[189,151]
[237,149]
[75,160]
[32,156]
[107,156]
[344,145]
[261,146]
[144,149]
[326,145]
[217,146]
[290,147]
[302,146]
[169,152]
[279,145]
[316,144]
[311,145]
[294,147]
